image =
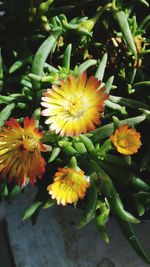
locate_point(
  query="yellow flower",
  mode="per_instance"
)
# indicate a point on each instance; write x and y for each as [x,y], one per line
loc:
[20,151]
[139,41]
[69,185]
[126,140]
[74,106]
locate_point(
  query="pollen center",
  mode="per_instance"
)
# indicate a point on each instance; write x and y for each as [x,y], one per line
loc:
[69,180]
[123,142]
[74,108]
[27,145]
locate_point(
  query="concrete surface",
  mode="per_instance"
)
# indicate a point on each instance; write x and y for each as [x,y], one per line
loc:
[55,242]
[6,259]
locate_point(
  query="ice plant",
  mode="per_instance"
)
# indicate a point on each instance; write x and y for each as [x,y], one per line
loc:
[75,105]
[126,140]
[69,186]
[20,151]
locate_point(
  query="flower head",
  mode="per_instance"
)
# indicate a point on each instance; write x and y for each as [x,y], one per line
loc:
[74,106]
[126,140]
[20,151]
[69,185]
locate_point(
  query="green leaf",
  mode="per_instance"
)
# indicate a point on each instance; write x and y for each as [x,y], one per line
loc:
[55,153]
[102,219]
[35,77]
[116,160]
[48,204]
[139,85]
[87,64]
[67,57]
[32,209]
[49,136]
[109,84]
[131,103]
[144,2]
[80,147]
[87,142]
[6,112]
[140,207]
[14,192]
[113,197]
[126,32]
[11,98]
[19,63]
[50,68]
[5,99]
[116,107]
[34,217]
[145,23]
[105,147]
[3,190]
[115,169]
[42,54]
[129,233]
[128,159]
[67,148]
[145,52]
[138,183]
[90,206]
[101,68]
[143,197]
[43,7]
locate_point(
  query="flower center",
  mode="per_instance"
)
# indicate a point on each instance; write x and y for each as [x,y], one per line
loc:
[123,142]
[69,179]
[74,107]
[27,144]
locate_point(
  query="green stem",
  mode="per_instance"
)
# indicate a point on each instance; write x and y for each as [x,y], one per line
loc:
[73,163]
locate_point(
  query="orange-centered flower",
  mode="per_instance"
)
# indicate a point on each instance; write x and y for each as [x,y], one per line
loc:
[69,185]
[20,151]
[126,140]
[74,106]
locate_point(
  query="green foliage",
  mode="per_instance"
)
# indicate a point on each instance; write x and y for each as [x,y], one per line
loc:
[90,206]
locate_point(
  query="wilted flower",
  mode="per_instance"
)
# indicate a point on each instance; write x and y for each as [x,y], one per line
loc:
[126,140]
[69,186]
[74,106]
[20,151]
